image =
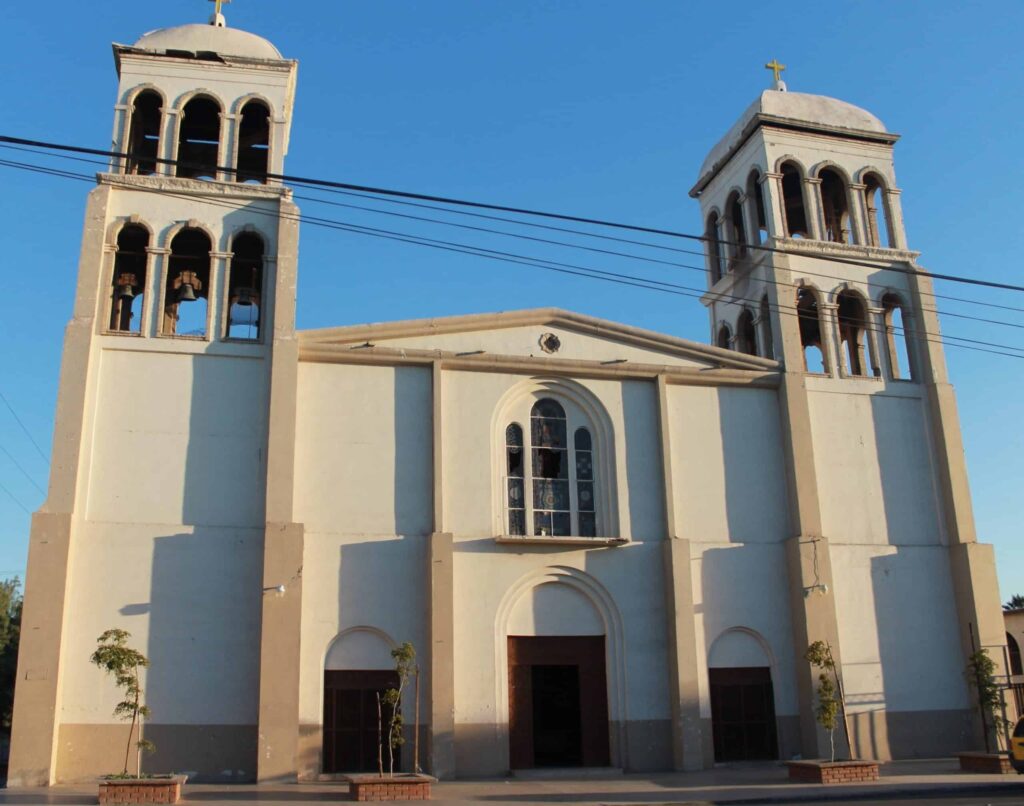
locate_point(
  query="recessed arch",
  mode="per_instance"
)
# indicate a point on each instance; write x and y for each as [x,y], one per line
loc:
[812,334]
[746,333]
[835,203]
[877,210]
[146,104]
[252,146]
[794,202]
[360,647]
[724,337]
[853,321]
[245,309]
[128,286]
[735,226]
[515,406]
[755,191]
[604,605]
[898,333]
[199,135]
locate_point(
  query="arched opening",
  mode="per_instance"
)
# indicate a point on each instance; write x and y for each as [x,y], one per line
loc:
[897,338]
[144,133]
[186,294]
[129,285]
[766,328]
[245,288]
[714,240]
[877,211]
[199,139]
[735,231]
[724,337]
[756,192]
[834,207]
[853,325]
[1013,650]
[746,335]
[254,143]
[357,670]
[809,316]
[743,725]
[793,201]
[557,670]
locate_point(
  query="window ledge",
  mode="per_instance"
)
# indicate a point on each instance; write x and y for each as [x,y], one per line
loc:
[522,540]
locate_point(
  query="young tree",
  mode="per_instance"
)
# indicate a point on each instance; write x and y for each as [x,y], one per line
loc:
[116,658]
[819,655]
[10,633]
[405,665]
[981,671]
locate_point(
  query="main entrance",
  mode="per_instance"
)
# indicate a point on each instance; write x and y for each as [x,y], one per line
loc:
[743,714]
[350,719]
[558,702]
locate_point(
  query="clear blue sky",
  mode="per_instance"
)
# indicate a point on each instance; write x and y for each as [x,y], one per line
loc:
[599,108]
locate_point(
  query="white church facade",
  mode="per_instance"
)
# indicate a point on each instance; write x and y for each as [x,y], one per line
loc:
[610,547]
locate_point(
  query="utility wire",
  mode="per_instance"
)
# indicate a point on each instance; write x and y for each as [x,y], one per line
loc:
[24,472]
[504,209]
[543,263]
[23,428]
[15,499]
[702,269]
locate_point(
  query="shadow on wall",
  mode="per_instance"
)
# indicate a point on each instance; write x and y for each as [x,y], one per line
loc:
[413,419]
[647,519]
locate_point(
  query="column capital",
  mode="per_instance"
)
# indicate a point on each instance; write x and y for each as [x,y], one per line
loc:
[812,180]
[769,175]
[158,250]
[858,186]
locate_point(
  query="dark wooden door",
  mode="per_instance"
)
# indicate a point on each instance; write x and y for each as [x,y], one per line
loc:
[350,720]
[743,714]
[558,702]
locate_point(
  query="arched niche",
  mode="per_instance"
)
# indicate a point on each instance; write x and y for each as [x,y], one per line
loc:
[360,648]
[553,609]
[738,648]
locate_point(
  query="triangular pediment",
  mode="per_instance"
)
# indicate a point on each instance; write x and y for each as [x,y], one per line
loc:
[527,334]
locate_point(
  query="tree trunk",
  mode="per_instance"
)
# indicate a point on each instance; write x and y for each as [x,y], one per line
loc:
[380,739]
[131,730]
[416,735]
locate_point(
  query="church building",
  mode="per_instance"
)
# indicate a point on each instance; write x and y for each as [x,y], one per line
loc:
[610,547]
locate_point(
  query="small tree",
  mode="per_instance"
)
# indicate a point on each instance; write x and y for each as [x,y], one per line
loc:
[1016,602]
[819,655]
[405,666]
[981,671]
[116,658]
[10,632]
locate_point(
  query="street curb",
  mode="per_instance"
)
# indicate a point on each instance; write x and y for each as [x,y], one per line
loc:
[899,793]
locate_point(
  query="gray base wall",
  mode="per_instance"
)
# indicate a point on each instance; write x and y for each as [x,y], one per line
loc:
[889,735]
[208,753]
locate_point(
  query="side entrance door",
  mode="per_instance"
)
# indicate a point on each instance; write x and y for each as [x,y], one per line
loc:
[558,702]
[350,720]
[743,714]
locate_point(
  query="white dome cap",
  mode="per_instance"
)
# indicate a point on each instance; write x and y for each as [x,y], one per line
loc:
[209,38]
[800,109]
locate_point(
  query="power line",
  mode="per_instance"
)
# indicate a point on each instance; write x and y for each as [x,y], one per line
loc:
[15,499]
[702,269]
[14,414]
[542,263]
[506,209]
[24,472]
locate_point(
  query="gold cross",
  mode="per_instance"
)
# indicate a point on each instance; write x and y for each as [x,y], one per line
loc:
[218,5]
[776,68]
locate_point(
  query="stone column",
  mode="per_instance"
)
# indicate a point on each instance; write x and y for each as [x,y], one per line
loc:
[772,189]
[831,346]
[169,141]
[895,218]
[876,339]
[691,745]
[34,735]
[812,208]
[283,545]
[855,196]
[120,138]
[227,151]
[812,603]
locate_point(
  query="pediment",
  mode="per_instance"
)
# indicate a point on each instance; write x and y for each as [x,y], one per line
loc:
[526,334]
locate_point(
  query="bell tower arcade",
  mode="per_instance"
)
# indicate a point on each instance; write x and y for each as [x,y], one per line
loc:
[185,319]
[808,264]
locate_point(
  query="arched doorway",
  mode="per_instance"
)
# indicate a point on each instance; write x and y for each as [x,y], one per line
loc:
[742,698]
[557,679]
[358,668]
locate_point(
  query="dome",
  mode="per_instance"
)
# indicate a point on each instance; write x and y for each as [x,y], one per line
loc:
[810,111]
[210,39]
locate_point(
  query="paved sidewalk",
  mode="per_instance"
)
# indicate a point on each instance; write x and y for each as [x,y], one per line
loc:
[731,784]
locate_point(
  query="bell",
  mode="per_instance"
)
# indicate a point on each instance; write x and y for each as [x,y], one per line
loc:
[186,293]
[125,291]
[246,297]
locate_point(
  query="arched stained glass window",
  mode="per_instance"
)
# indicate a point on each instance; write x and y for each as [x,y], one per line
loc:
[555,492]
[515,481]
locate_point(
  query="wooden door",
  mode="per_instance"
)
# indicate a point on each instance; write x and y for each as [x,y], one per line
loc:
[350,720]
[743,714]
[552,679]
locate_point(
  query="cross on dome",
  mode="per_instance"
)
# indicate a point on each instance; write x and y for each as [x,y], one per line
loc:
[218,15]
[777,69]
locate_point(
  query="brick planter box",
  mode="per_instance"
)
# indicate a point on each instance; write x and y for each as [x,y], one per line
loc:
[986,763]
[141,790]
[398,787]
[833,772]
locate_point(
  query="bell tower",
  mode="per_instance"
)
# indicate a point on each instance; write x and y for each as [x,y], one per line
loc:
[808,264]
[183,328]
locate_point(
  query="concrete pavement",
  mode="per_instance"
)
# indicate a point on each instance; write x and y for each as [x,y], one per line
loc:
[925,781]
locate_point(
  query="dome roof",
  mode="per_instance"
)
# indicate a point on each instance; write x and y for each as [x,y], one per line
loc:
[812,111]
[211,39]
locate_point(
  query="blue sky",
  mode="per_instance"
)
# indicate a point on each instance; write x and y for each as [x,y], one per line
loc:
[598,108]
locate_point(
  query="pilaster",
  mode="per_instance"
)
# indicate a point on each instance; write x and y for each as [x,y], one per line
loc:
[442,655]
[772,183]
[812,207]
[855,200]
